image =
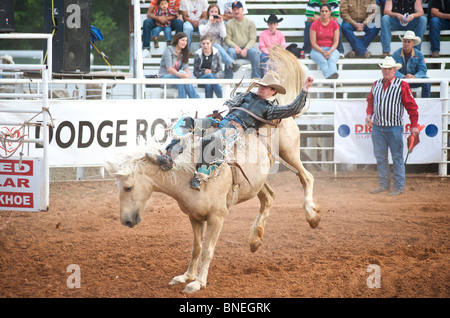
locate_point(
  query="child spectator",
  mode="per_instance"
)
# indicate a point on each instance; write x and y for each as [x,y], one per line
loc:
[149,24]
[163,10]
[268,38]
[208,65]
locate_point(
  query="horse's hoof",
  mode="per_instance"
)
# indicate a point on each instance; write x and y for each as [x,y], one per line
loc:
[192,287]
[314,222]
[177,280]
[255,245]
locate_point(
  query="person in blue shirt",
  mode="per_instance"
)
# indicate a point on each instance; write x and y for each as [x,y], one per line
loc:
[413,62]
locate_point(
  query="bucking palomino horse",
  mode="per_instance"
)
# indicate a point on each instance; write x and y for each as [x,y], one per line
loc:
[137,178]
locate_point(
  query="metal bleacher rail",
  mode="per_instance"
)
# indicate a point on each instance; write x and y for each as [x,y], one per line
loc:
[293,14]
[317,126]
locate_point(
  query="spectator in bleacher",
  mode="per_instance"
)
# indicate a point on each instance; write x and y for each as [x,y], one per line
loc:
[6,59]
[440,20]
[312,14]
[215,26]
[163,10]
[192,12]
[208,65]
[401,15]
[226,10]
[175,64]
[324,36]
[358,15]
[149,24]
[381,4]
[268,38]
[386,102]
[241,36]
[413,62]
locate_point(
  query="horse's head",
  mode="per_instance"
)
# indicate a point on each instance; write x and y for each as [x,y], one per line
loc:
[134,191]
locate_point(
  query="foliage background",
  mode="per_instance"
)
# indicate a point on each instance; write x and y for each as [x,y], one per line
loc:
[110,16]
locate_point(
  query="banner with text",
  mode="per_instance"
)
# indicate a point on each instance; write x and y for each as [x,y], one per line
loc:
[20,185]
[353,144]
[87,133]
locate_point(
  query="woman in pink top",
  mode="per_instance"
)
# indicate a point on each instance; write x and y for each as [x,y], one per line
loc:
[268,38]
[324,35]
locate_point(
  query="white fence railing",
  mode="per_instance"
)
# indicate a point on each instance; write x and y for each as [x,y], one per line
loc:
[329,90]
[44,189]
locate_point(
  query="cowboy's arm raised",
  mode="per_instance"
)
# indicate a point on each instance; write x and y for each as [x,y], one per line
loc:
[278,112]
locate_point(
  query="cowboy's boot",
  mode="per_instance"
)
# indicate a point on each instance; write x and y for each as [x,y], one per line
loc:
[195,184]
[164,161]
[201,175]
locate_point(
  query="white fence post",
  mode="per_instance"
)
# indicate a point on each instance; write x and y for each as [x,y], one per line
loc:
[445,115]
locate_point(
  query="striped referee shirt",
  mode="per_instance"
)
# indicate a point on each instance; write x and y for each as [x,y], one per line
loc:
[387,102]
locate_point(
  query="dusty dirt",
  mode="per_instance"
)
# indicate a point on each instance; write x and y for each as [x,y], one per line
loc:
[406,236]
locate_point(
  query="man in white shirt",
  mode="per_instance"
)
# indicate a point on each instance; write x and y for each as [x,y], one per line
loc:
[192,12]
[226,10]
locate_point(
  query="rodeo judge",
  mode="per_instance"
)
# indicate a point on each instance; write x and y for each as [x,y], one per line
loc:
[386,102]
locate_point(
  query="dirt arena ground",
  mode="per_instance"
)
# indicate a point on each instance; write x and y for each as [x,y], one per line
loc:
[407,237]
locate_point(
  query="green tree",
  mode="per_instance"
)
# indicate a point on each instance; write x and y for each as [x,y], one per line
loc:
[110,16]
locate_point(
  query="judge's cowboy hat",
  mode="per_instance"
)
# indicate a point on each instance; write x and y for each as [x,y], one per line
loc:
[389,62]
[410,35]
[271,81]
[273,19]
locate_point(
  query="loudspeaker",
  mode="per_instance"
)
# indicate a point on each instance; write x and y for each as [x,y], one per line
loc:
[7,16]
[71,22]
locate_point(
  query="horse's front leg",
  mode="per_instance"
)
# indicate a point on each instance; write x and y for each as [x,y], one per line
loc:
[214,226]
[191,273]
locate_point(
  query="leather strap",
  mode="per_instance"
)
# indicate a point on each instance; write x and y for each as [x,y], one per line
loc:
[256,116]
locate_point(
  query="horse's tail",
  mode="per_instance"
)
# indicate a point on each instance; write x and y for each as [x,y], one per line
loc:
[285,66]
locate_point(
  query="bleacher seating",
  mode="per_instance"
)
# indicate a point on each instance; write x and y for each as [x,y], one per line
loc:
[293,14]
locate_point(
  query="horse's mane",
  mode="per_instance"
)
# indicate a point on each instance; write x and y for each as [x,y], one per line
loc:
[285,66]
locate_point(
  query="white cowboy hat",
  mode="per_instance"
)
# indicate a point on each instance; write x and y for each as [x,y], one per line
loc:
[271,81]
[389,62]
[7,58]
[410,35]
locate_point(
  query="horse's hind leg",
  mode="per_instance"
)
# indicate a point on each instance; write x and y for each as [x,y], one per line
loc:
[266,196]
[307,181]
[289,150]
[191,273]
